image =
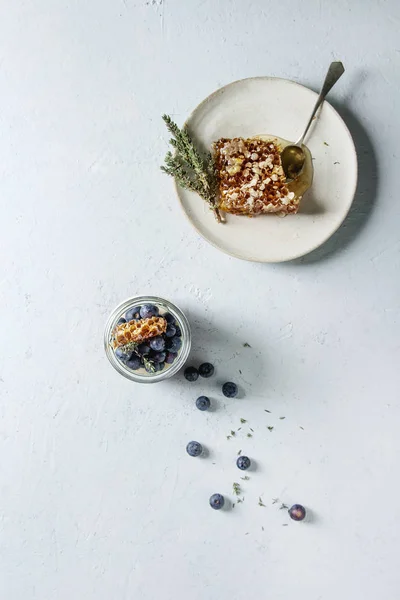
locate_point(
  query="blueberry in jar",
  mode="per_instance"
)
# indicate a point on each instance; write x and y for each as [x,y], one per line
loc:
[194,449]
[157,343]
[134,362]
[133,314]
[174,344]
[178,331]
[169,318]
[159,357]
[171,330]
[143,349]
[171,356]
[148,310]
[122,354]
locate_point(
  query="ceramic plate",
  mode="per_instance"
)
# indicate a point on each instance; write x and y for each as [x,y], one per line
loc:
[267,105]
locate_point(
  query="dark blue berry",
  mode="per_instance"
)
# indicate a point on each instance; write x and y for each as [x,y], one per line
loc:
[171,331]
[206,370]
[134,363]
[122,354]
[191,374]
[297,512]
[157,343]
[178,331]
[194,449]
[143,349]
[174,344]
[148,310]
[230,389]
[169,318]
[171,356]
[217,501]
[159,357]
[158,366]
[133,314]
[203,403]
[243,462]
[121,320]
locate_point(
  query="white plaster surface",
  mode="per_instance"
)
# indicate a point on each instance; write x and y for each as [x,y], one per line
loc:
[98,500]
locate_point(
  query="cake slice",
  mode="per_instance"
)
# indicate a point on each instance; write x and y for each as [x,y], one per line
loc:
[250,177]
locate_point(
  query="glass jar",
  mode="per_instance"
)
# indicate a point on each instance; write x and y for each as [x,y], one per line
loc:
[141,375]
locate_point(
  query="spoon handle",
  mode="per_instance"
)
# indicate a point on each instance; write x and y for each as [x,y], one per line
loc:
[335,71]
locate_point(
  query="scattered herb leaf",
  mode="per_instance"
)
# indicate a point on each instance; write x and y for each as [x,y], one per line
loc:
[251,429]
[281,418]
[260,502]
[245,478]
[249,435]
[236,489]
[233,432]
[301,427]
[283,506]
[262,528]
[275,500]
[246,345]
[243,421]
[239,453]
[265,410]
[228,437]
[284,524]
[270,428]
[326,144]
[336,162]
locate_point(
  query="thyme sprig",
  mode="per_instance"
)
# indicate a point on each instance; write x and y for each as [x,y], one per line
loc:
[190,170]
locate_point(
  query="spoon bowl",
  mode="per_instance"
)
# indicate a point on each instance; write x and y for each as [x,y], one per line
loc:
[293,156]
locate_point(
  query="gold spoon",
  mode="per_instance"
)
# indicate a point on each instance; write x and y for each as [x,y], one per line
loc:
[293,157]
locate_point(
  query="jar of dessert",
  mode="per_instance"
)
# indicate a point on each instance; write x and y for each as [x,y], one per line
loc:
[147,339]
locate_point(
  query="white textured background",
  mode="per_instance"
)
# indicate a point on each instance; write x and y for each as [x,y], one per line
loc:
[98,500]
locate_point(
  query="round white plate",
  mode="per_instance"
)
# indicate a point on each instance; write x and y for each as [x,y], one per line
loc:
[267,105]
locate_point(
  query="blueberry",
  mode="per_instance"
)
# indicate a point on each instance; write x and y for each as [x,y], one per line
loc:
[133,314]
[134,363]
[297,512]
[174,344]
[122,354]
[148,310]
[243,462]
[159,357]
[191,374]
[203,403]
[178,331]
[206,370]
[143,349]
[230,389]
[194,449]
[169,318]
[158,366]
[217,501]
[121,320]
[157,343]
[171,356]
[171,331]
